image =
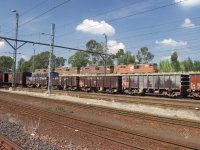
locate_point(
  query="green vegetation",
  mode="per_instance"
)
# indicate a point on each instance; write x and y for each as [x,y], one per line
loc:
[173,65]
[56,108]
[144,56]
[125,58]
[6,63]
[81,59]
[41,61]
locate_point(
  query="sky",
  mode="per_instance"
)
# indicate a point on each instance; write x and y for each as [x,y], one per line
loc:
[164,26]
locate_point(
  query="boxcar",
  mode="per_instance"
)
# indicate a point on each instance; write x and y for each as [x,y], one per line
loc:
[194,89]
[171,85]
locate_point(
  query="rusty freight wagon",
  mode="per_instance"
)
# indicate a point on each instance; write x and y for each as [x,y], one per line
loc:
[88,83]
[20,78]
[40,79]
[70,83]
[194,89]
[110,84]
[171,85]
[1,78]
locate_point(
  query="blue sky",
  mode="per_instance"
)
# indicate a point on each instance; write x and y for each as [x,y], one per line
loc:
[161,25]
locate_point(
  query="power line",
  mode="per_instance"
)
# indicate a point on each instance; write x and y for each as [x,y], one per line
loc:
[38,16]
[137,13]
[45,44]
[27,11]
[109,11]
[49,10]
[138,35]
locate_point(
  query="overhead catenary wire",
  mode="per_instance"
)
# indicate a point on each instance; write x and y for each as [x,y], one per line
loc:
[26,11]
[56,46]
[134,14]
[38,16]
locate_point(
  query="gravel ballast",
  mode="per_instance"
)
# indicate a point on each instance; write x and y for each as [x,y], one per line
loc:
[154,110]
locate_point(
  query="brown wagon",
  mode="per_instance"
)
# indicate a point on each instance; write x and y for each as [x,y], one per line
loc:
[172,85]
[194,85]
[20,78]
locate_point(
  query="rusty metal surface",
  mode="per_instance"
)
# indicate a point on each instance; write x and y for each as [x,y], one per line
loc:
[134,69]
[1,76]
[156,82]
[195,82]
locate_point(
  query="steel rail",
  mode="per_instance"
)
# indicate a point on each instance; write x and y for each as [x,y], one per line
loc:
[28,107]
[8,144]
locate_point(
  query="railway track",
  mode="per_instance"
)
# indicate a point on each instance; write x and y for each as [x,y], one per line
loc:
[145,100]
[118,133]
[166,120]
[6,144]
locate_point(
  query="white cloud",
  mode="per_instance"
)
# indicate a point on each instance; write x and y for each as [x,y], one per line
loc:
[2,44]
[171,42]
[188,3]
[188,23]
[95,27]
[114,46]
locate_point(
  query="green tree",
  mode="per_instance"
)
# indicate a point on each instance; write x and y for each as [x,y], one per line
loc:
[165,66]
[42,61]
[79,59]
[130,58]
[196,65]
[5,63]
[144,56]
[187,65]
[96,49]
[59,61]
[23,65]
[175,62]
[124,58]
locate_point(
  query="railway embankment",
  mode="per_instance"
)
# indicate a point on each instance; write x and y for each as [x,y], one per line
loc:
[157,110]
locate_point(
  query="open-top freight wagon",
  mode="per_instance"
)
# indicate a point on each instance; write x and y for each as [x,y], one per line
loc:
[20,78]
[40,79]
[110,84]
[70,83]
[1,78]
[171,85]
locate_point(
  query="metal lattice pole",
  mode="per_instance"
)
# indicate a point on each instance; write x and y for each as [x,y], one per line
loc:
[15,50]
[50,59]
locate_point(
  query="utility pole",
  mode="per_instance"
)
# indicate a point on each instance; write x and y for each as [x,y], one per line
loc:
[15,49]
[33,59]
[50,58]
[105,57]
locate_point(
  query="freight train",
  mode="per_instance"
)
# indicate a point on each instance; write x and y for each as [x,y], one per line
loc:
[170,85]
